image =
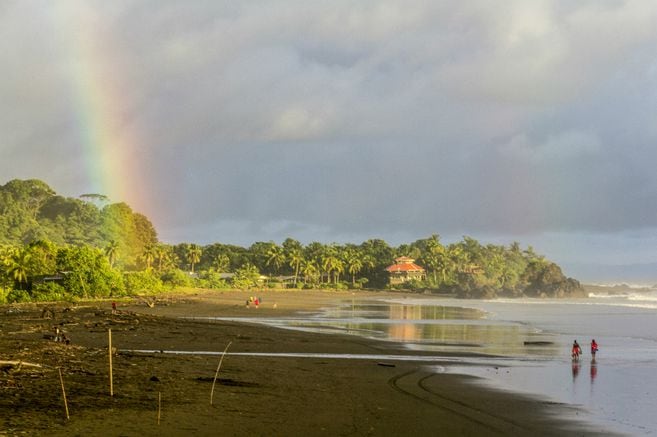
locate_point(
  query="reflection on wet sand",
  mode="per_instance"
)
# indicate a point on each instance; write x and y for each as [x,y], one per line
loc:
[434,328]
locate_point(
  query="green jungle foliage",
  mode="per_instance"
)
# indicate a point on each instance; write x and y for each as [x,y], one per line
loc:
[57,248]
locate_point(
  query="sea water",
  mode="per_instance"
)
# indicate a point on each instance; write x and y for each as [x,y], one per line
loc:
[523,345]
[618,388]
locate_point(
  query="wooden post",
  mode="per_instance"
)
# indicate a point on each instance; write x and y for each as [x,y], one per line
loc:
[61,380]
[159,406]
[109,332]
[217,372]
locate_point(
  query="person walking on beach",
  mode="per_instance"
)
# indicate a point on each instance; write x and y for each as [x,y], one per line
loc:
[594,348]
[576,351]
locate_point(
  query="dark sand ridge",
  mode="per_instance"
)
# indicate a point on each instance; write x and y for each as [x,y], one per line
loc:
[254,395]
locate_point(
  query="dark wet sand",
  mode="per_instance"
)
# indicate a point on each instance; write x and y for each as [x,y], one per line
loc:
[261,396]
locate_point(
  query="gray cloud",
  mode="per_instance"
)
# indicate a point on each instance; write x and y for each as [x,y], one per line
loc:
[258,120]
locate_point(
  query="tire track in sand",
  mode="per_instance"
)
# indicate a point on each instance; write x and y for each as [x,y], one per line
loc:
[414,384]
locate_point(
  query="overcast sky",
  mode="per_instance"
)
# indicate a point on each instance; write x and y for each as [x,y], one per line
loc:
[236,122]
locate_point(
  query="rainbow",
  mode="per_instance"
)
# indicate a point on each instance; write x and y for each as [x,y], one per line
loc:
[101,105]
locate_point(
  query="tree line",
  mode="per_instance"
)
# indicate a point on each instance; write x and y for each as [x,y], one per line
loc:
[54,248]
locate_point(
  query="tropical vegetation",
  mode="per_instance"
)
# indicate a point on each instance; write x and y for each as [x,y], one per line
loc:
[53,247]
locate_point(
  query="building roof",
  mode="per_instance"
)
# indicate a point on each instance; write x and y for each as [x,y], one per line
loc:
[406,266]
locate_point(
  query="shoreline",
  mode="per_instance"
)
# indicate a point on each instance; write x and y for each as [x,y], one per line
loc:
[261,395]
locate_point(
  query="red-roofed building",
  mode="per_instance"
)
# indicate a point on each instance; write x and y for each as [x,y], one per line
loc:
[405,270]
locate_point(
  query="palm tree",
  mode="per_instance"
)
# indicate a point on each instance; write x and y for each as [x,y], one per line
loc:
[338,268]
[112,252]
[433,254]
[148,255]
[354,264]
[162,254]
[331,263]
[310,271]
[275,257]
[458,258]
[295,257]
[17,265]
[193,255]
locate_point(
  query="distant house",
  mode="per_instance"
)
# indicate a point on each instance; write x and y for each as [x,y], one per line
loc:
[55,278]
[405,270]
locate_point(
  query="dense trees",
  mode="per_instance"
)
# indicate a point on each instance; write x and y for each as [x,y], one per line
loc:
[54,247]
[31,211]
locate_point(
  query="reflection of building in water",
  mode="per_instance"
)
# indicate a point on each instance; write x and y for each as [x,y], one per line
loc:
[405,270]
[405,312]
[406,332]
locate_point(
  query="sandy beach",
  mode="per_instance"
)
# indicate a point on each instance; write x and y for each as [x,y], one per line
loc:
[166,394]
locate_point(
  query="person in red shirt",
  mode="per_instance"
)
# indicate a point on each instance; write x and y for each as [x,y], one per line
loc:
[576,351]
[594,348]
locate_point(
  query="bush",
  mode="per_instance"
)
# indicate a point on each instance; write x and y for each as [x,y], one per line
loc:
[176,278]
[213,280]
[50,292]
[136,282]
[246,277]
[88,273]
[17,296]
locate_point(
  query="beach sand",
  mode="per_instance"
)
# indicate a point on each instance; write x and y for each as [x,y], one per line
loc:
[254,395]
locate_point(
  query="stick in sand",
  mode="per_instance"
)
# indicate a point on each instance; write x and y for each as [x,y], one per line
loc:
[159,406]
[61,380]
[217,372]
[109,332]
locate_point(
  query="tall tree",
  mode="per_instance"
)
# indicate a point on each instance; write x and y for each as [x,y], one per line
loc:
[193,256]
[17,266]
[148,255]
[354,260]
[112,252]
[275,257]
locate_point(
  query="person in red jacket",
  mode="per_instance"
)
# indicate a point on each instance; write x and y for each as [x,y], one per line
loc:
[576,351]
[594,348]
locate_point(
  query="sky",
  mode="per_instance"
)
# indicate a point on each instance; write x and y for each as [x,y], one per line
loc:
[341,121]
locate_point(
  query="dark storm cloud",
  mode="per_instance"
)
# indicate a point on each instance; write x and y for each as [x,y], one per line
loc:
[258,120]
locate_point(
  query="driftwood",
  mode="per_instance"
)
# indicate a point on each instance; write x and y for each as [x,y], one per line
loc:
[15,366]
[148,303]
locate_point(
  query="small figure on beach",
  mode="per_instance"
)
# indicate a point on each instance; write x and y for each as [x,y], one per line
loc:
[60,336]
[113,307]
[247,303]
[576,351]
[594,348]
[256,302]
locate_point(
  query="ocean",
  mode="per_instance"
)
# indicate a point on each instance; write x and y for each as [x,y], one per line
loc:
[523,345]
[618,389]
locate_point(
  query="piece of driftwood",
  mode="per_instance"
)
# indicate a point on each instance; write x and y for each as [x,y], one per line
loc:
[148,303]
[7,366]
